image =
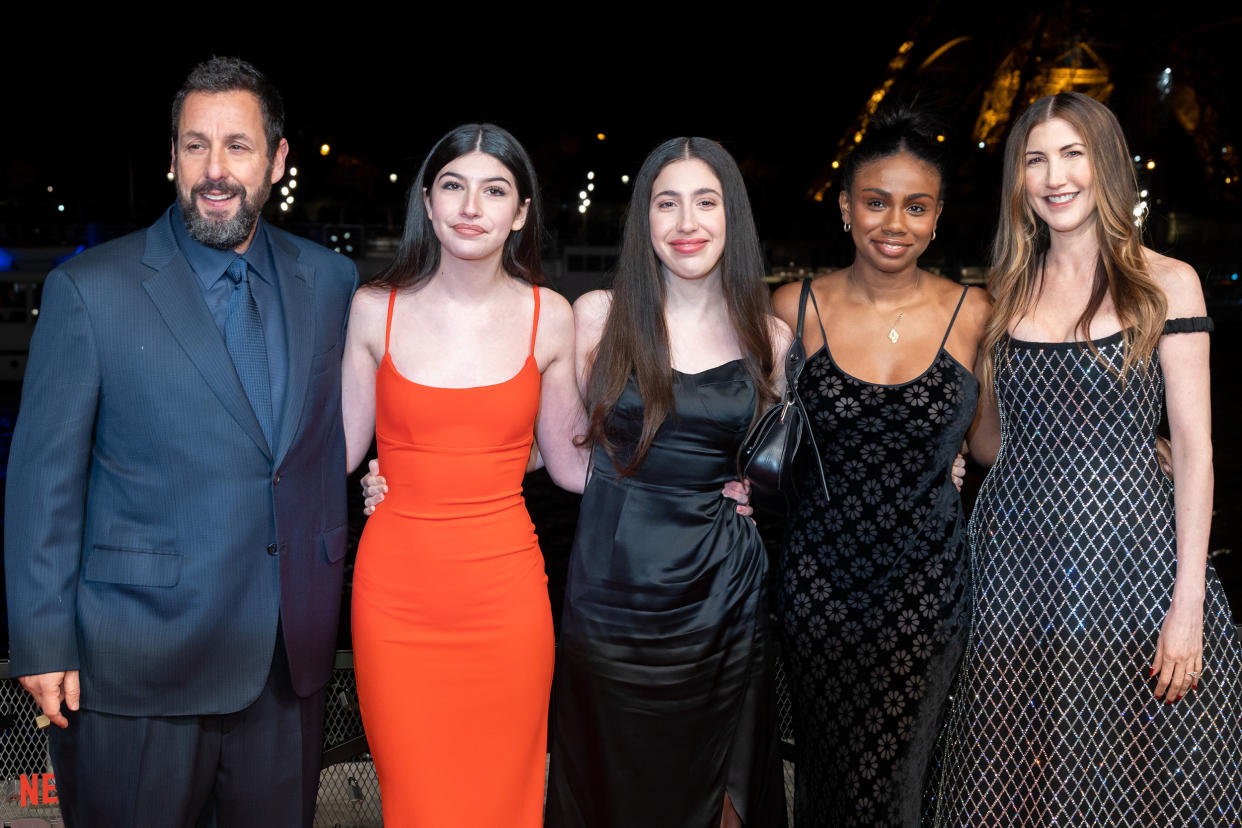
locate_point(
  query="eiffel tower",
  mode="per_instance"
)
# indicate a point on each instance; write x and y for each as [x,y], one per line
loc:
[986,68]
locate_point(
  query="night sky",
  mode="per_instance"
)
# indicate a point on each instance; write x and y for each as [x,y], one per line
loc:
[86,113]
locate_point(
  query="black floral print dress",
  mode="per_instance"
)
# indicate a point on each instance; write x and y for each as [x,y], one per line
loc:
[874,596]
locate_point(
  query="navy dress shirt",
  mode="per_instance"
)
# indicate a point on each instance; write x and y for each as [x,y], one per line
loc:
[209,265]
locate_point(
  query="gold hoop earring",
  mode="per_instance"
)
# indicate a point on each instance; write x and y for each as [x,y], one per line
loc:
[933,238]
[848,226]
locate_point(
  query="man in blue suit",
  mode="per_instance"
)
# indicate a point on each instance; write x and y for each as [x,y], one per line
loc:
[175,520]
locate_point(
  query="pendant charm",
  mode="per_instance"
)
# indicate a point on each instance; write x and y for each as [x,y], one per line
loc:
[893,336]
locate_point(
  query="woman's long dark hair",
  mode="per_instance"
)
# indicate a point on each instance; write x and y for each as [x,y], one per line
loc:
[418,255]
[635,338]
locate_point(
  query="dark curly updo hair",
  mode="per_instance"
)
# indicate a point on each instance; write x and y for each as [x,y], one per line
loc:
[897,128]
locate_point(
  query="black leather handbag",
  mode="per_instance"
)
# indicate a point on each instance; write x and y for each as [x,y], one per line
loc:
[773,447]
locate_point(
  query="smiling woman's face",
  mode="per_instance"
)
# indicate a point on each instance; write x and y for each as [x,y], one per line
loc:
[893,205]
[473,206]
[1059,178]
[687,216]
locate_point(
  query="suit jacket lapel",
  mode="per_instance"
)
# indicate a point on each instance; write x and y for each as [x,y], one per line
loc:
[296,279]
[176,295]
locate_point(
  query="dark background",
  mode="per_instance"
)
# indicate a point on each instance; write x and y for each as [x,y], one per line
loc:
[84,109]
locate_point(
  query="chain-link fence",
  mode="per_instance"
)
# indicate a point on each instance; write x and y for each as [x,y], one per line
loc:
[23,759]
[349,794]
[348,790]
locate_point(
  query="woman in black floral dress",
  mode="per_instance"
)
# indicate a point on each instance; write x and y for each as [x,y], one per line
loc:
[873,599]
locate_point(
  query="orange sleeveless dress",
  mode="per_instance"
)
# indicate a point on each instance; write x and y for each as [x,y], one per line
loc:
[453,642]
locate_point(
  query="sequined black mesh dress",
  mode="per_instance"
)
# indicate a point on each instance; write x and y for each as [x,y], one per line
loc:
[874,600]
[1054,721]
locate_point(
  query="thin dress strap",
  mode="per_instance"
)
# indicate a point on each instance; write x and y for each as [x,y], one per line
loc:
[392,301]
[534,325]
[960,300]
[819,319]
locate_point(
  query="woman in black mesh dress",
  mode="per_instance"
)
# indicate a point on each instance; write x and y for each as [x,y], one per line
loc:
[1103,682]
[873,598]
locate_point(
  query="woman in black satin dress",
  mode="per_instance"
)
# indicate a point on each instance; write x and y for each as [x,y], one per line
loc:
[662,712]
[873,586]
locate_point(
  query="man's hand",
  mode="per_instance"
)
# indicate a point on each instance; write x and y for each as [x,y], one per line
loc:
[50,689]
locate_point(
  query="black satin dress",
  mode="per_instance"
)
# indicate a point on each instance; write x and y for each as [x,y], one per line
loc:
[662,697]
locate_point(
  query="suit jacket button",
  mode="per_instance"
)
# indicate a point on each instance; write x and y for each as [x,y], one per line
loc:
[271,549]
[276,479]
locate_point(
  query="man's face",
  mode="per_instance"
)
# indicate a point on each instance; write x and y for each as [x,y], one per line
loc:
[222,168]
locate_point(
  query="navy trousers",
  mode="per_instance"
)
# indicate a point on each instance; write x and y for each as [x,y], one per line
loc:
[256,767]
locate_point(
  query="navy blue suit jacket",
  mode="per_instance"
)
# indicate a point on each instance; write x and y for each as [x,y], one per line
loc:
[151,535]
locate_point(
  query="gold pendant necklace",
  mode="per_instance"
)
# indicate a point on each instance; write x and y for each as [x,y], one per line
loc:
[893,336]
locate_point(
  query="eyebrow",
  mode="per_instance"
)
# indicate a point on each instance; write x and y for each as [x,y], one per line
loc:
[235,136]
[1062,149]
[499,178]
[887,194]
[698,192]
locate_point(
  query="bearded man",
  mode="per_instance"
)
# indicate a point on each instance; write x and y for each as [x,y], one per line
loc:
[175,516]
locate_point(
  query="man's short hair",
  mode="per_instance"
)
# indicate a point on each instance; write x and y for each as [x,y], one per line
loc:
[230,74]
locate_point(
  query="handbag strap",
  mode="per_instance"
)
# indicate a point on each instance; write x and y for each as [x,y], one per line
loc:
[794,360]
[795,357]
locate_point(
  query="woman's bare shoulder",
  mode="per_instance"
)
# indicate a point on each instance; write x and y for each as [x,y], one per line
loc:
[591,308]
[786,297]
[554,308]
[370,304]
[781,335]
[1179,282]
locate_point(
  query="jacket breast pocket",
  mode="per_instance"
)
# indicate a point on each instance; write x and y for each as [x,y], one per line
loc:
[135,567]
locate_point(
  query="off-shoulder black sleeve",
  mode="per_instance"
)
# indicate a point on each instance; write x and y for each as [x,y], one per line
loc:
[1189,324]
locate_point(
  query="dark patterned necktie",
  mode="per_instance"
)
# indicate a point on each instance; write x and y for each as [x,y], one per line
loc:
[243,335]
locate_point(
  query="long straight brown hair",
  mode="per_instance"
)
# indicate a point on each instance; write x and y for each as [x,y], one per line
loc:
[635,338]
[1022,238]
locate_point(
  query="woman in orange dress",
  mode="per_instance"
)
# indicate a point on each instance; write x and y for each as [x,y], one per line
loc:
[457,360]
